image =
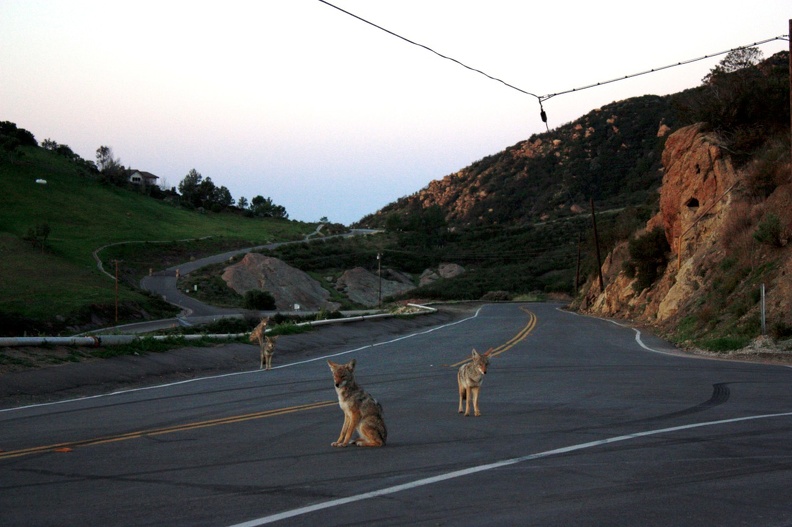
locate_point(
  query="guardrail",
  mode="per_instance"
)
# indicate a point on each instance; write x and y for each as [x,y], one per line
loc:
[115,340]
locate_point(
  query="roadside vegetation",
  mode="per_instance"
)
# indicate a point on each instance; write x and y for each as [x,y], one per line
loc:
[501,263]
[530,236]
[49,230]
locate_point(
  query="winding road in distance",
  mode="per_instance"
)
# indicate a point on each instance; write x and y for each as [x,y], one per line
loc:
[584,422]
[163,283]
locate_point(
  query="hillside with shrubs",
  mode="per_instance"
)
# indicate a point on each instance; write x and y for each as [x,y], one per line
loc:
[692,194]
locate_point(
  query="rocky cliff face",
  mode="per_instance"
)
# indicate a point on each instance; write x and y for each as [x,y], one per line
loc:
[716,263]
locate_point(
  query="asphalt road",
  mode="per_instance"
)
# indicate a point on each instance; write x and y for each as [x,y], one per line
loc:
[584,422]
[163,283]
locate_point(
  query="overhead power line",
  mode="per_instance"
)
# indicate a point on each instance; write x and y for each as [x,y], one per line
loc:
[542,98]
[653,70]
[429,49]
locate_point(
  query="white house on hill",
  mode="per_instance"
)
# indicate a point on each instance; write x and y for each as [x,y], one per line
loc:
[139,177]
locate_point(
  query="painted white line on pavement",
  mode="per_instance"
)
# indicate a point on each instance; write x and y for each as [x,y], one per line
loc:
[490,466]
[212,377]
[637,337]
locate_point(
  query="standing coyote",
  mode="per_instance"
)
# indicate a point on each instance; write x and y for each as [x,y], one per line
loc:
[362,412]
[267,344]
[469,378]
[267,350]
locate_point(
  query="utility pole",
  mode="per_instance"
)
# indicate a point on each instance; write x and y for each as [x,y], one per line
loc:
[764,318]
[116,291]
[379,273]
[577,270]
[596,244]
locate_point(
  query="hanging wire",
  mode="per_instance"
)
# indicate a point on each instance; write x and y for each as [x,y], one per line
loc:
[542,98]
[653,70]
[431,50]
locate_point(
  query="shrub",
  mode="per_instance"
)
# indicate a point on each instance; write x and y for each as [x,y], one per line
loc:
[770,168]
[721,344]
[38,235]
[496,296]
[324,314]
[781,330]
[648,257]
[258,299]
[228,325]
[769,230]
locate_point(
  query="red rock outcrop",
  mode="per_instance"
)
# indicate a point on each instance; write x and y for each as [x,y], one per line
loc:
[707,219]
[694,198]
[697,175]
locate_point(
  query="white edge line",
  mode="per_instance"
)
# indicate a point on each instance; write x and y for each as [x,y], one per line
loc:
[212,377]
[489,466]
[637,336]
[679,354]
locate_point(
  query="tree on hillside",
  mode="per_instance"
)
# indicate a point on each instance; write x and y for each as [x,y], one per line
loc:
[735,60]
[49,144]
[110,166]
[221,198]
[242,203]
[12,137]
[63,150]
[193,187]
[264,207]
[743,99]
[200,192]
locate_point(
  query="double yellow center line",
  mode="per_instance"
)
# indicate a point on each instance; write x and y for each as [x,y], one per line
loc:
[68,446]
[519,337]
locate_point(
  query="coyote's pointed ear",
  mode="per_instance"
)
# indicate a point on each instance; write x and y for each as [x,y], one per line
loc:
[351,365]
[475,353]
[332,364]
[489,352]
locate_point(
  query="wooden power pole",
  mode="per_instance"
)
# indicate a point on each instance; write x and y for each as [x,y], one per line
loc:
[596,245]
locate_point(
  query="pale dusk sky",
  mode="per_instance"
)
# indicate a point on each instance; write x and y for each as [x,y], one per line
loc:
[325,114]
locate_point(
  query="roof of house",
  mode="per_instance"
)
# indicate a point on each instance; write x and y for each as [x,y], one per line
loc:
[144,174]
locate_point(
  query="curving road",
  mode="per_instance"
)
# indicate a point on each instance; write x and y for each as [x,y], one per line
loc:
[584,423]
[163,283]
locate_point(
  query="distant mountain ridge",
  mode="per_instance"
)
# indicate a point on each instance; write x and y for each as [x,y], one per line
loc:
[611,155]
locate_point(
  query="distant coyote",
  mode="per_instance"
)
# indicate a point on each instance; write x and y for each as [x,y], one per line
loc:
[361,411]
[267,344]
[267,350]
[469,378]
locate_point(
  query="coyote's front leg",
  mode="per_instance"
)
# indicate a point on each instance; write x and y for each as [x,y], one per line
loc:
[474,393]
[340,441]
[465,395]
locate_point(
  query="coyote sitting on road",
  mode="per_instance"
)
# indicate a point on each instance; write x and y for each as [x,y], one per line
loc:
[362,412]
[267,344]
[469,378]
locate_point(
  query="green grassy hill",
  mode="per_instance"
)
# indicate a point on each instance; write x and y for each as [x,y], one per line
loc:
[59,284]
